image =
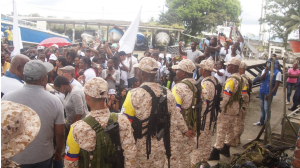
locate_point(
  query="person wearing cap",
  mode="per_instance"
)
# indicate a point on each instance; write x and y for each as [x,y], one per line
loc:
[184,96]
[74,102]
[13,78]
[208,111]
[230,106]
[19,128]
[51,50]
[69,72]
[265,79]
[50,110]
[138,106]
[240,120]
[113,103]
[83,137]
[53,59]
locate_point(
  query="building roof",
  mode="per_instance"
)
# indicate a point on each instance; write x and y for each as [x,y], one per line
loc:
[100,22]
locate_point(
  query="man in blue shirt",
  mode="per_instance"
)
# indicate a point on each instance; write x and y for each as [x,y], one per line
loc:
[264,91]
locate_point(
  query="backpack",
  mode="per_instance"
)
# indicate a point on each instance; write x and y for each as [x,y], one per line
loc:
[214,108]
[105,147]
[158,122]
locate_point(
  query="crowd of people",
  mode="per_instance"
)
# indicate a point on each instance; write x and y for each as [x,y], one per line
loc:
[81,96]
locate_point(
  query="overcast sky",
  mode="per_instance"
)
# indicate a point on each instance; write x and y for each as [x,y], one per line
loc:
[119,10]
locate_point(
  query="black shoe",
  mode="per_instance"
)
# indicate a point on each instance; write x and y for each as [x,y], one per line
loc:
[215,154]
[291,109]
[225,150]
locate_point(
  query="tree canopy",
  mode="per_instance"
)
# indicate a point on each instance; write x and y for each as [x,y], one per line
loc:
[200,15]
[283,17]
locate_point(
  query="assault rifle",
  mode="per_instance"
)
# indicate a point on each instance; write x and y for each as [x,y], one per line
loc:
[113,131]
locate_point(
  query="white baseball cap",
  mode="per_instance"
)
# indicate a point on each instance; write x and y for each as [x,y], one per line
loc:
[55,45]
[112,92]
[53,57]
[40,48]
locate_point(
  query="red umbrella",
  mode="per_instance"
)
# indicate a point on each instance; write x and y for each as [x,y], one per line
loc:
[54,40]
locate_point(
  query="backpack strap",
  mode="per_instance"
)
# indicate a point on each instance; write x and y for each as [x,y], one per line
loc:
[192,114]
[149,90]
[113,118]
[191,86]
[151,126]
[91,121]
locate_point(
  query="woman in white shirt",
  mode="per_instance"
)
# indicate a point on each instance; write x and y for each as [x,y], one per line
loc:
[86,70]
[111,75]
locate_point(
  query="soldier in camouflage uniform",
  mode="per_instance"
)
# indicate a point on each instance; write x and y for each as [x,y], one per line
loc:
[240,120]
[208,84]
[19,127]
[82,136]
[230,107]
[138,103]
[184,101]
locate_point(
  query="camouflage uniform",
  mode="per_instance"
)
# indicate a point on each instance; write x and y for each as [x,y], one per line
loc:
[183,96]
[82,136]
[240,120]
[19,127]
[138,103]
[207,94]
[226,120]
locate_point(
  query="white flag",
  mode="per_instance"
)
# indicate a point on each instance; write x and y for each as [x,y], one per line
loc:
[16,32]
[128,40]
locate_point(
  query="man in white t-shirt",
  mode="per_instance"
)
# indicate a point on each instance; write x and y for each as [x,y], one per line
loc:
[69,72]
[132,61]
[124,64]
[191,54]
[12,80]
[229,56]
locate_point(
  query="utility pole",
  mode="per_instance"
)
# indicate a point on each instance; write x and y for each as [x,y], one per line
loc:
[261,16]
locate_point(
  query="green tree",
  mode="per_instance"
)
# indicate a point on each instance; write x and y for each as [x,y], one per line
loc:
[200,15]
[293,20]
[280,17]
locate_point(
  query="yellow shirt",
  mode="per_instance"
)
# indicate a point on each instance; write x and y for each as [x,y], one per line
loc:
[6,66]
[9,35]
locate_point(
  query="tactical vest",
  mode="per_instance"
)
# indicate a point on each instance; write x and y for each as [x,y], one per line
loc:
[237,95]
[104,146]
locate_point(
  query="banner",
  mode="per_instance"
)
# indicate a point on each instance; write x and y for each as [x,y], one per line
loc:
[127,42]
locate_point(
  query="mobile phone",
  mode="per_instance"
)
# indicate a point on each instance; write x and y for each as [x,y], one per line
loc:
[80,44]
[109,75]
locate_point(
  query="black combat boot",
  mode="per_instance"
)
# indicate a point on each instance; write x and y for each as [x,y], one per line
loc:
[215,154]
[225,150]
